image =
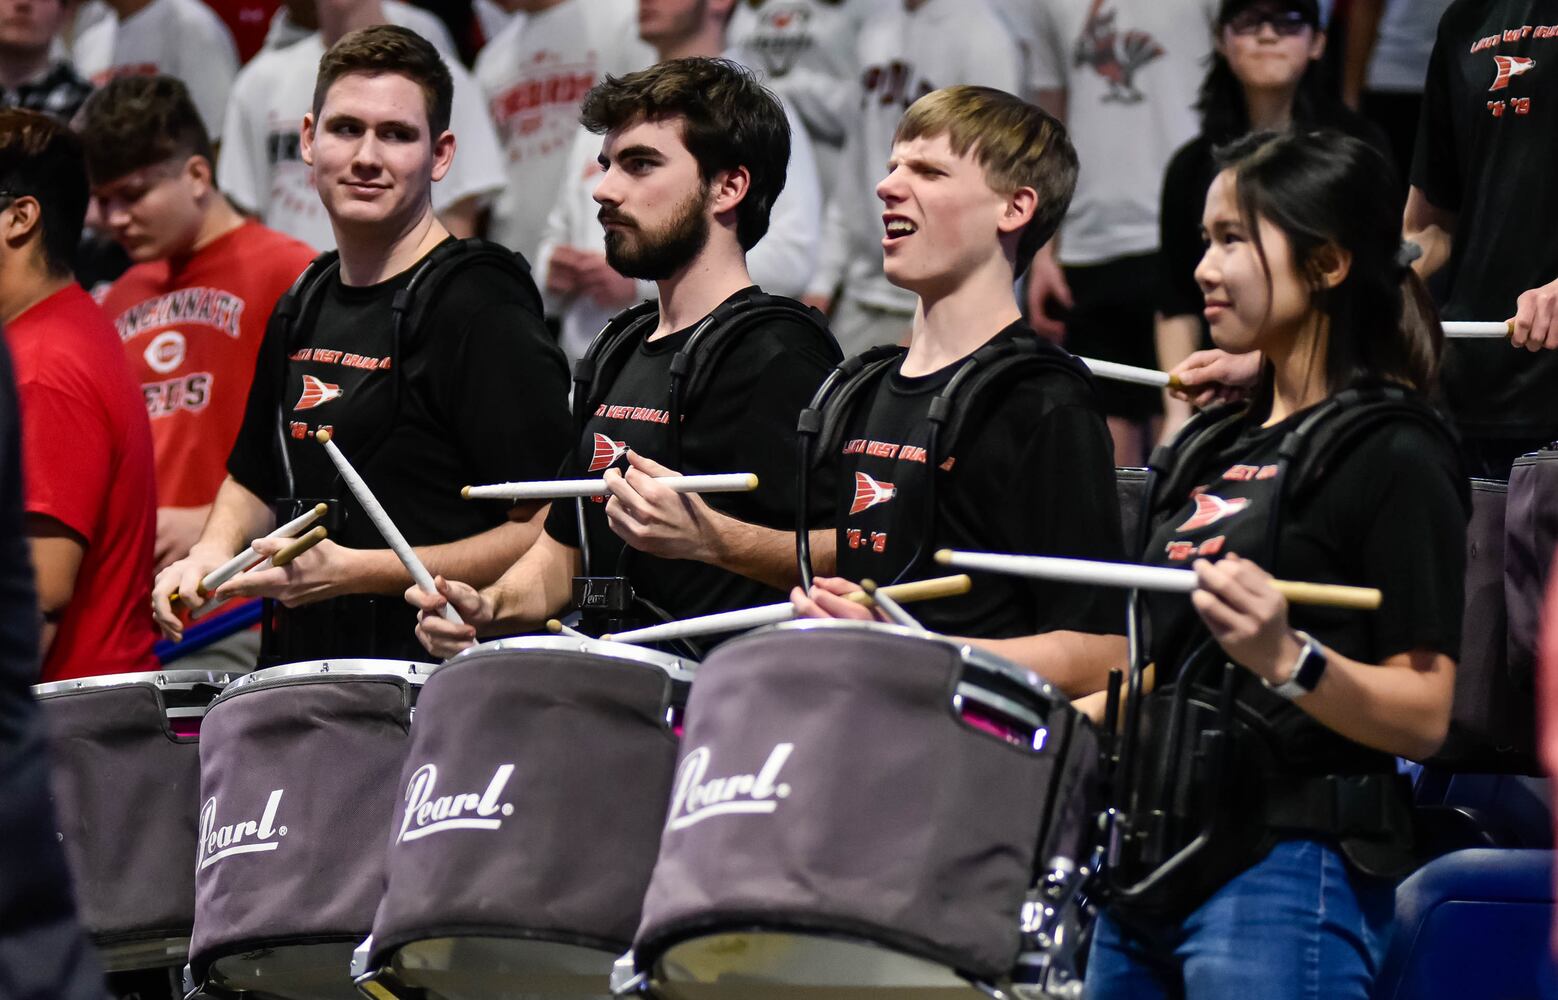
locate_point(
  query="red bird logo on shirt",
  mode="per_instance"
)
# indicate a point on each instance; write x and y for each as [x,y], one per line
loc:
[1510,67]
[869,493]
[607,452]
[1211,509]
[1113,54]
[317,393]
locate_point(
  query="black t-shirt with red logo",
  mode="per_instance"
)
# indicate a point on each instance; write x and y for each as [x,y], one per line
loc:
[481,397]
[742,420]
[1388,514]
[1033,475]
[1486,150]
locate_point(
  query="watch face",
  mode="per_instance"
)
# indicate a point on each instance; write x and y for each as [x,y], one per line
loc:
[1311,666]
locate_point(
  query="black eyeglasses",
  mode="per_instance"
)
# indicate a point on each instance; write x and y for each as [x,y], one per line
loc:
[1284,22]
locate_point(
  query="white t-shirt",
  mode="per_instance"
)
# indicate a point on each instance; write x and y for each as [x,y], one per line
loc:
[904,56]
[534,75]
[261,168]
[284,31]
[1131,70]
[1406,38]
[805,52]
[781,262]
[182,38]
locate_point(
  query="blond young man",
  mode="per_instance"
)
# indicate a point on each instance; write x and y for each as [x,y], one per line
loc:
[977,181]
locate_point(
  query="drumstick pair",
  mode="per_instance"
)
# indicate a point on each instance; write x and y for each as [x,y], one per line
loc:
[283,556]
[250,559]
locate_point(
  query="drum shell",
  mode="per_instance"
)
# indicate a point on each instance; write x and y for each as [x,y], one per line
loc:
[592,759]
[126,797]
[891,819]
[333,745]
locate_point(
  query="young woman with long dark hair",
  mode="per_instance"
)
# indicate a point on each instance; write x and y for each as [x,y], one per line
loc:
[1337,470]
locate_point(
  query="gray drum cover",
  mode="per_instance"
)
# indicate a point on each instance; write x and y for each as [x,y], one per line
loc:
[827,784]
[311,865]
[1532,537]
[571,829]
[126,798]
[1076,794]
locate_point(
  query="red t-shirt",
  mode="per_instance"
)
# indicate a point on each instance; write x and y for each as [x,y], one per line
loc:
[191,330]
[87,463]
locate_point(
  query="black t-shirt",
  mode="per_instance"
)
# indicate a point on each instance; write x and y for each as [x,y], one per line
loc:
[477,395]
[1180,245]
[743,420]
[1486,146]
[1033,474]
[1388,514]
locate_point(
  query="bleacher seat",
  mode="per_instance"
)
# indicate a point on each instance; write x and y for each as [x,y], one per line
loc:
[1472,924]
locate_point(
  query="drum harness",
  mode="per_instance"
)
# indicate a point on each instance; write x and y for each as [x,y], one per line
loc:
[608,603]
[409,309]
[1207,795]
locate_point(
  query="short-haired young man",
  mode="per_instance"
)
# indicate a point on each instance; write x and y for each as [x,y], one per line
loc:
[91,499]
[468,388]
[261,166]
[192,310]
[977,182]
[693,156]
[31,76]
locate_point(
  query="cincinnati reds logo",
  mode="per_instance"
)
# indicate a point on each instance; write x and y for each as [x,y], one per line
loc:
[869,492]
[1211,509]
[1510,67]
[317,393]
[606,453]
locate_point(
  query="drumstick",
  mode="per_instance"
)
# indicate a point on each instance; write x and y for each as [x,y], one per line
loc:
[381,520]
[1130,575]
[893,609]
[247,558]
[773,614]
[1130,373]
[558,628]
[283,556]
[559,489]
[1465,330]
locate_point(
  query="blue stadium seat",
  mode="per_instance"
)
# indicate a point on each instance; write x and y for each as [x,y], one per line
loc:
[1472,924]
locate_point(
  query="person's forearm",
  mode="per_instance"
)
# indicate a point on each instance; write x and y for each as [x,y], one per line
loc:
[1401,707]
[1431,228]
[478,560]
[1078,663]
[535,588]
[767,555]
[237,517]
[1362,32]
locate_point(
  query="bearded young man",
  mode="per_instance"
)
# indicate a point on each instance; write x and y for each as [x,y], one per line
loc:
[692,161]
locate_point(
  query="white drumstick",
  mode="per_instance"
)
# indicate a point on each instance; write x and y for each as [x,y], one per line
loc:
[773,614]
[1130,373]
[558,489]
[556,627]
[1469,329]
[1133,577]
[391,534]
[243,560]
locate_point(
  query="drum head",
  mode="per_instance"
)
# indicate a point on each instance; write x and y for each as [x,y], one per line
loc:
[298,972]
[775,965]
[487,968]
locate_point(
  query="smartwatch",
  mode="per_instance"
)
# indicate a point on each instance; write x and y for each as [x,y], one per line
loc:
[1306,673]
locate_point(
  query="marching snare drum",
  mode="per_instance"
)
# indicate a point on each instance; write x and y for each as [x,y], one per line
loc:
[297,784]
[126,781]
[857,811]
[529,819]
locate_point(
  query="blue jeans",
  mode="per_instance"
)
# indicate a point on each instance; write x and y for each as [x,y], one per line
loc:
[1296,926]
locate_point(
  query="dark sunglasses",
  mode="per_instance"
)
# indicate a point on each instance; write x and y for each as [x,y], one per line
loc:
[1284,22]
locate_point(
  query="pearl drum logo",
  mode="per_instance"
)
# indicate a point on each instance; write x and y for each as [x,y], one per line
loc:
[245,837]
[427,814]
[698,797]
